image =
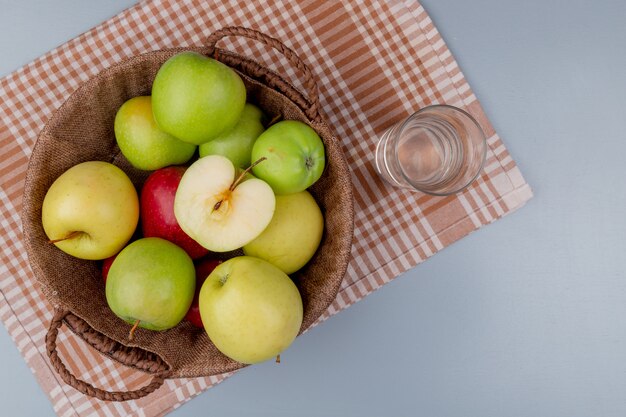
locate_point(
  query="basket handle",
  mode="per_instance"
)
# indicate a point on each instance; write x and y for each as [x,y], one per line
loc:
[310,86]
[102,343]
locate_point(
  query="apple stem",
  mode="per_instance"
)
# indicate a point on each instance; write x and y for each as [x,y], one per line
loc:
[238,180]
[69,236]
[131,334]
[274,119]
[245,171]
[278,358]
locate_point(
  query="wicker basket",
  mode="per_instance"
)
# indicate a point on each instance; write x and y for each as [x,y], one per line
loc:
[82,130]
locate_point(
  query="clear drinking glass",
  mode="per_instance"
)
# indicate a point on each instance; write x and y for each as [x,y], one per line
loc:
[438,150]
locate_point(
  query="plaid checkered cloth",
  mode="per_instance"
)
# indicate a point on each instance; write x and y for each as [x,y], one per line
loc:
[376,63]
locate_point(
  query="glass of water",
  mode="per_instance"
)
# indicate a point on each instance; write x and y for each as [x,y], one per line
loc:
[438,150]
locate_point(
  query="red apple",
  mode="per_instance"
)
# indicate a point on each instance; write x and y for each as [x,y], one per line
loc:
[203,269]
[157,210]
[106,265]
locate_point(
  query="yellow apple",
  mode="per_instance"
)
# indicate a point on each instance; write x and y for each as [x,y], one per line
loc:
[142,142]
[293,235]
[91,210]
[250,309]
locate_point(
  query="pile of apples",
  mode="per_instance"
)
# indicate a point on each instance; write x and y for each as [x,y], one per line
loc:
[246,190]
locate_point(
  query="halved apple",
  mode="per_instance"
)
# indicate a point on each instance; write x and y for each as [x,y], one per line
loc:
[217,210]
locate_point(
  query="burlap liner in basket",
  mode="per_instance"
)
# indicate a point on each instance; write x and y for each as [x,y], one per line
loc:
[82,130]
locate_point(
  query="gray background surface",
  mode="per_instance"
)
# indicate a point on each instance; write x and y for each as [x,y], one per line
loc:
[526,317]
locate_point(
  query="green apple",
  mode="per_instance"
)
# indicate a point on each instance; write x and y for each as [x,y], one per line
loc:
[251,310]
[91,210]
[295,156]
[152,281]
[217,209]
[236,144]
[196,98]
[293,235]
[142,142]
